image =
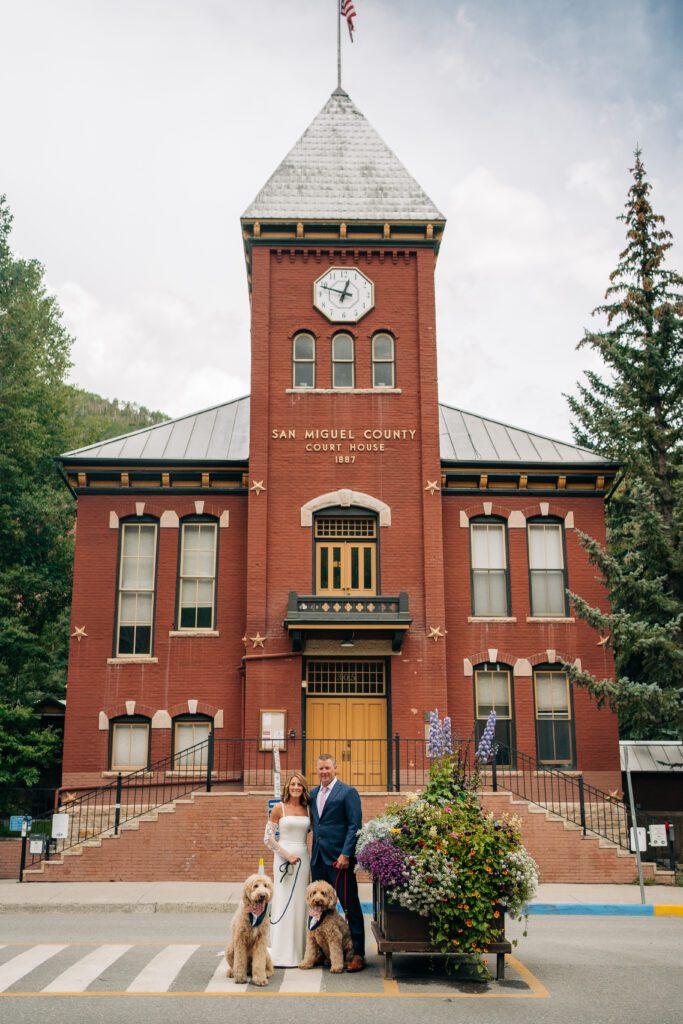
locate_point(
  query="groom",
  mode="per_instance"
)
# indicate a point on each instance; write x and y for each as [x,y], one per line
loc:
[336,818]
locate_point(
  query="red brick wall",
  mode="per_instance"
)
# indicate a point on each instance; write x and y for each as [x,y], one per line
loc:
[10,856]
[189,667]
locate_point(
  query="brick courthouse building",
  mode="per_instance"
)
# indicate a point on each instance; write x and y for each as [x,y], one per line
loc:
[338,553]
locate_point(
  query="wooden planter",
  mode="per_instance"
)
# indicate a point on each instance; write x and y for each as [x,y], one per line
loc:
[398,930]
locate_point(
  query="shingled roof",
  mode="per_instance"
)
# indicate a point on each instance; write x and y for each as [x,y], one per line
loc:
[340,169]
[221,434]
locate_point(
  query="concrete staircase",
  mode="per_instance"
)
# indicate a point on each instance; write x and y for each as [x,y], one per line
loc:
[219,836]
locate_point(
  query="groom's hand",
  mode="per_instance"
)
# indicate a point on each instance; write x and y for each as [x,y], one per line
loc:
[342,861]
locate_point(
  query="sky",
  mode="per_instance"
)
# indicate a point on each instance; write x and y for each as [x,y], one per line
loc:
[134,133]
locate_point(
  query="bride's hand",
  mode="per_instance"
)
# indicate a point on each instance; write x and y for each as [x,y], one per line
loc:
[293,859]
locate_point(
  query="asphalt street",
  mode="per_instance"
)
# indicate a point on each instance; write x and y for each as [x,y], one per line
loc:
[128,967]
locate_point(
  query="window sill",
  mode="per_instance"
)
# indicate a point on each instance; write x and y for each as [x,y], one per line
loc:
[132,661]
[193,632]
[113,772]
[343,391]
[549,618]
[491,618]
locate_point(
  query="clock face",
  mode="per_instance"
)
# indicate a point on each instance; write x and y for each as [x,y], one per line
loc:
[343,295]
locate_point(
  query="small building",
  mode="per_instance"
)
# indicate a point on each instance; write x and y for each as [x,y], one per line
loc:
[322,562]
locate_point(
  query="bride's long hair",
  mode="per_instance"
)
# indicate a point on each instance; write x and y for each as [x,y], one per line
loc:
[305,796]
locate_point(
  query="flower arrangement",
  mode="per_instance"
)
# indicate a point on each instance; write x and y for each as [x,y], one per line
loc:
[443,857]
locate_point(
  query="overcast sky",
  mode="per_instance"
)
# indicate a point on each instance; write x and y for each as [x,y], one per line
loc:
[135,132]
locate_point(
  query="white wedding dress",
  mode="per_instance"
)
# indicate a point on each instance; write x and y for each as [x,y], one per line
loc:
[288,911]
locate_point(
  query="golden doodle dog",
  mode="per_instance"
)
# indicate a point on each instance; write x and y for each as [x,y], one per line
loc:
[327,930]
[247,953]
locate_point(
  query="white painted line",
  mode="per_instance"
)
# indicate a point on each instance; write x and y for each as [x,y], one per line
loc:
[221,982]
[302,981]
[81,974]
[20,965]
[160,972]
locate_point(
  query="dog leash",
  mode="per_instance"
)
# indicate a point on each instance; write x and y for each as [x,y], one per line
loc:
[284,871]
[336,889]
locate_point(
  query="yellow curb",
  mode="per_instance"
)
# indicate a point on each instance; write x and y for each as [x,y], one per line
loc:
[668,909]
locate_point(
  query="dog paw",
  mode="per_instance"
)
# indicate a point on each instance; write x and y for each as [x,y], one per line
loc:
[261,982]
[336,970]
[240,979]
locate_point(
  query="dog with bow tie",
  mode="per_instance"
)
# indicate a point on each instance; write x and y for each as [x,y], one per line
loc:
[247,953]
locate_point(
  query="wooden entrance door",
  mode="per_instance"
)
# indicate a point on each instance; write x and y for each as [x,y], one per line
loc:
[354,731]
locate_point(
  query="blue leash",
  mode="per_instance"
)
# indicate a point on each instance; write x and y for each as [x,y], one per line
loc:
[284,871]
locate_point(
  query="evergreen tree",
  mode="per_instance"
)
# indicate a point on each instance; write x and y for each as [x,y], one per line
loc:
[633,413]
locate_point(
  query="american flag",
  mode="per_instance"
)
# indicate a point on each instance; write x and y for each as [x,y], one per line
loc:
[348,11]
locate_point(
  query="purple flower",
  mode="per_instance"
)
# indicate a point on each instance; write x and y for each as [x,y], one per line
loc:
[485,749]
[384,861]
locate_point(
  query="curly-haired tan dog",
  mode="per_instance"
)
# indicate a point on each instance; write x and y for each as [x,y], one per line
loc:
[248,951]
[327,930]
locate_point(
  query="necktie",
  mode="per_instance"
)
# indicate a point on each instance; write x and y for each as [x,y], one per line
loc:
[323,797]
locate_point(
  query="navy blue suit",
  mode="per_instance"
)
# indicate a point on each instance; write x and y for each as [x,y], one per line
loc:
[335,833]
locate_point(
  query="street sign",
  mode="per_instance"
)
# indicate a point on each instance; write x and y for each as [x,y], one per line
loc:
[642,840]
[658,835]
[37,845]
[60,826]
[16,822]
[271,804]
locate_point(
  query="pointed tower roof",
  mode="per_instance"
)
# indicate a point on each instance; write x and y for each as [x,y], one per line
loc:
[340,169]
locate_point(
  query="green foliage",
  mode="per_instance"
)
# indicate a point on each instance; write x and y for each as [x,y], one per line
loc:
[633,413]
[40,416]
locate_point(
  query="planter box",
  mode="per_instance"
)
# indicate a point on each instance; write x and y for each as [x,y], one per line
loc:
[398,930]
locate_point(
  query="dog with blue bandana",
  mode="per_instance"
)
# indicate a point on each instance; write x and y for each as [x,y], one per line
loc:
[247,953]
[327,930]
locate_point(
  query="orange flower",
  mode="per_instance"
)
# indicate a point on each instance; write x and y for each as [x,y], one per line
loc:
[468,923]
[496,913]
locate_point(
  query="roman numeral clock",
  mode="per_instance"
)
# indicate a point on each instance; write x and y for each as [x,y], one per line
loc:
[343,295]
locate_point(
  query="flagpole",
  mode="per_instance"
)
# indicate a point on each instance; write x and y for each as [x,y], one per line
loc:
[338,6]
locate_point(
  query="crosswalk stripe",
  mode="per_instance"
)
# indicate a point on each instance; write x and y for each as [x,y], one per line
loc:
[160,972]
[81,974]
[20,965]
[220,981]
[302,981]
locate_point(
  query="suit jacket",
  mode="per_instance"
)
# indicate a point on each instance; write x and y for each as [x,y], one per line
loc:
[336,830]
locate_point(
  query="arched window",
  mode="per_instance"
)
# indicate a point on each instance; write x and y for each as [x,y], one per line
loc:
[190,733]
[303,361]
[197,574]
[129,743]
[493,692]
[136,588]
[489,562]
[343,364]
[547,568]
[383,361]
[554,719]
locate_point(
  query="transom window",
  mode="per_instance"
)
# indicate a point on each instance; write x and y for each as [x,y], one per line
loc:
[547,575]
[129,744]
[346,555]
[303,361]
[348,678]
[197,576]
[489,569]
[343,367]
[553,717]
[136,589]
[383,361]
[189,741]
[492,693]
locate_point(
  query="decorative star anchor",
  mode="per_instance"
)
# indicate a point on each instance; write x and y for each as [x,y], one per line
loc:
[257,486]
[603,641]
[78,633]
[258,640]
[436,633]
[432,487]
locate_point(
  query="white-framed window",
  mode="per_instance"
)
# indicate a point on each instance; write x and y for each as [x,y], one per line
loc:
[135,611]
[343,363]
[383,361]
[554,740]
[488,548]
[197,569]
[129,744]
[190,733]
[493,692]
[303,360]
[547,575]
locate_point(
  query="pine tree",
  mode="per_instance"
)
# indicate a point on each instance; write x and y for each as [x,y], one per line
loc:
[633,414]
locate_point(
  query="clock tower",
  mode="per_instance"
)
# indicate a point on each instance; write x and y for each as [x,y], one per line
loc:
[345,584]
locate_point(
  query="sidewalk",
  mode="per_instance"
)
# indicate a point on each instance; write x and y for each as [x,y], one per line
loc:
[218,897]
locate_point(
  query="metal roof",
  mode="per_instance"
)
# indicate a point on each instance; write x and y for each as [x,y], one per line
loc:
[652,756]
[340,169]
[221,434]
[466,437]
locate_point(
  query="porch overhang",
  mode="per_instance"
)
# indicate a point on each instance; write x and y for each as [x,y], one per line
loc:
[377,615]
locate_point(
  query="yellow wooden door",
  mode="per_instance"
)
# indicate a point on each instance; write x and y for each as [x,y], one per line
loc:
[354,731]
[346,568]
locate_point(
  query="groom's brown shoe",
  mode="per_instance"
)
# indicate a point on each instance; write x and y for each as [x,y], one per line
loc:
[356,963]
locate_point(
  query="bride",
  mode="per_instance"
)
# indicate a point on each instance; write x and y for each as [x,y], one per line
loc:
[291,871]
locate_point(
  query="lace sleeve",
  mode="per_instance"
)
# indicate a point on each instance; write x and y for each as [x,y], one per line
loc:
[271,842]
